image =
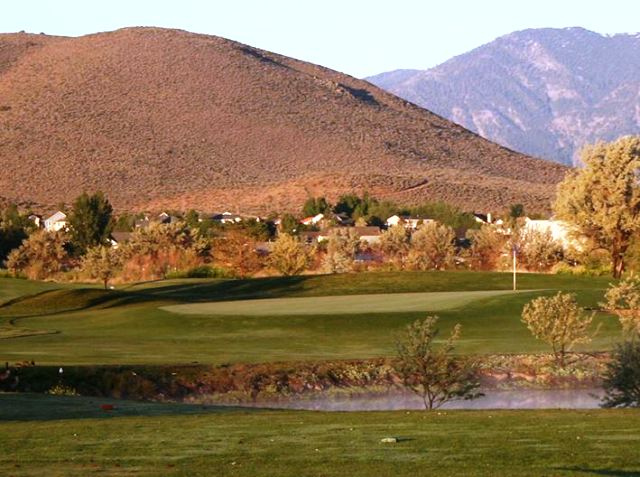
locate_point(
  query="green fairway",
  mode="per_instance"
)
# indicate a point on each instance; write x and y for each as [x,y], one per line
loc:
[303,319]
[342,305]
[50,436]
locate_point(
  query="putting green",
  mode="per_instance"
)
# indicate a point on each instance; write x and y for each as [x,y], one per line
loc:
[336,305]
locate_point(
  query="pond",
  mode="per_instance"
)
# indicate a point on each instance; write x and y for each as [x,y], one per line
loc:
[493,399]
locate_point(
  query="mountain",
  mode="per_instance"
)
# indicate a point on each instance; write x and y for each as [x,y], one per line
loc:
[544,92]
[162,118]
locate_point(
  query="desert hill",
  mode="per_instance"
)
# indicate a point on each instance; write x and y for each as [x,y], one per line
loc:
[164,118]
[544,92]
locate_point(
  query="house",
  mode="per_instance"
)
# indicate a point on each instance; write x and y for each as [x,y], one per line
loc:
[560,231]
[56,222]
[227,218]
[408,221]
[118,238]
[312,220]
[368,234]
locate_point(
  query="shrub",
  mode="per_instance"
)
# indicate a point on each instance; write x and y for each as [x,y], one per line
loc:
[622,377]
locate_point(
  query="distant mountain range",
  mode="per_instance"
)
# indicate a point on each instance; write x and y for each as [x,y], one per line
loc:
[162,118]
[543,92]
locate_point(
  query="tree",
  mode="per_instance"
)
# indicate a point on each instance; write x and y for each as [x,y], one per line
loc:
[487,246]
[623,300]
[290,225]
[341,250]
[435,374]
[154,251]
[621,381]
[316,205]
[394,243]
[14,228]
[90,221]
[101,263]
[538,250]
[40,256]
[558,321]
[288,256]
[432,247]
[236,251]
[602,199]
[516,211]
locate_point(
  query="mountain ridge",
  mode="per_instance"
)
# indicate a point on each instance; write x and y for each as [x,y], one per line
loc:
[544,92]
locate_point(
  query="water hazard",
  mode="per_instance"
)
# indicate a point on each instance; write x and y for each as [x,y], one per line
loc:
[493,399]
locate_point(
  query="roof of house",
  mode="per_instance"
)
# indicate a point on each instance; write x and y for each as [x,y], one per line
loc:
[120,237]
[59,216]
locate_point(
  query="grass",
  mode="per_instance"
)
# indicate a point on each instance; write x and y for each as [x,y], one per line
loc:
[72,436]
[138,324]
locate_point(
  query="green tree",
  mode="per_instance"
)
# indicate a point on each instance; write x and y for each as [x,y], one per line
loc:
[558,321]
[90,221]
[316,205]
[290,225]
[621,381]
[14,229]
[432,247]
[102,263]
[436,374]
[602,199]
[516,211]
[288,255]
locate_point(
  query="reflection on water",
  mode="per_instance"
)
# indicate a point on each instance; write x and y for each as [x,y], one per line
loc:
[493,399]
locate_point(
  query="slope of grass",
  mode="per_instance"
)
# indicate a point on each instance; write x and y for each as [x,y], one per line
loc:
[11,288]
[72,436]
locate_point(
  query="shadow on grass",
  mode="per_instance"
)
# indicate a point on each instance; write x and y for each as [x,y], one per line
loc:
[43,407]
[609,472]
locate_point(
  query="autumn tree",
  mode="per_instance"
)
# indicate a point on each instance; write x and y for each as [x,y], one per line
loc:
[288,255]
[538,251]
[602,199]
[487,246]
[102,263]
[559,322]
[40,256]
[623,300]
[342,247]
[394,244]
[90,221]
[432,247]
[433,372]
[154,251]
[236,251]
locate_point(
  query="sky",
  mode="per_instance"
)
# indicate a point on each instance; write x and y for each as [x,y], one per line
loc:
[357,37]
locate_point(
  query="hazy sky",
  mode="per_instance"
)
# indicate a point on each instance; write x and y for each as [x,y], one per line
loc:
[357,37]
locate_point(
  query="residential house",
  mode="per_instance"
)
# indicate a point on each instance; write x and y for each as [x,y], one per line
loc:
[315,220]
[227,218]
[368,234]
[408,221]
[118,238]
[56,222]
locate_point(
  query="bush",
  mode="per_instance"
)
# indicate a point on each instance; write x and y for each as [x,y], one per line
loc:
[622,378]
[204,271]
[62,390]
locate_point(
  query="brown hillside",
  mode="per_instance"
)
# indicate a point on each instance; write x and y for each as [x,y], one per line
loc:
[163,118]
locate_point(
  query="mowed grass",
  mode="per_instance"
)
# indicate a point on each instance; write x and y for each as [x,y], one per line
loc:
[55,436]
[135,326]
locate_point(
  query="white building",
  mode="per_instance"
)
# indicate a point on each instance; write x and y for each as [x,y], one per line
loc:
[560,231]
[410,223]
[312,220]
[56,222]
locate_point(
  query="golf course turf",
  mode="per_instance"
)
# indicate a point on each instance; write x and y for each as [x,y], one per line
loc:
[45,435]
[302,318]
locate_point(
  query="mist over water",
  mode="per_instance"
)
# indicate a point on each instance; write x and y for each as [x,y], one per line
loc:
[493,399]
